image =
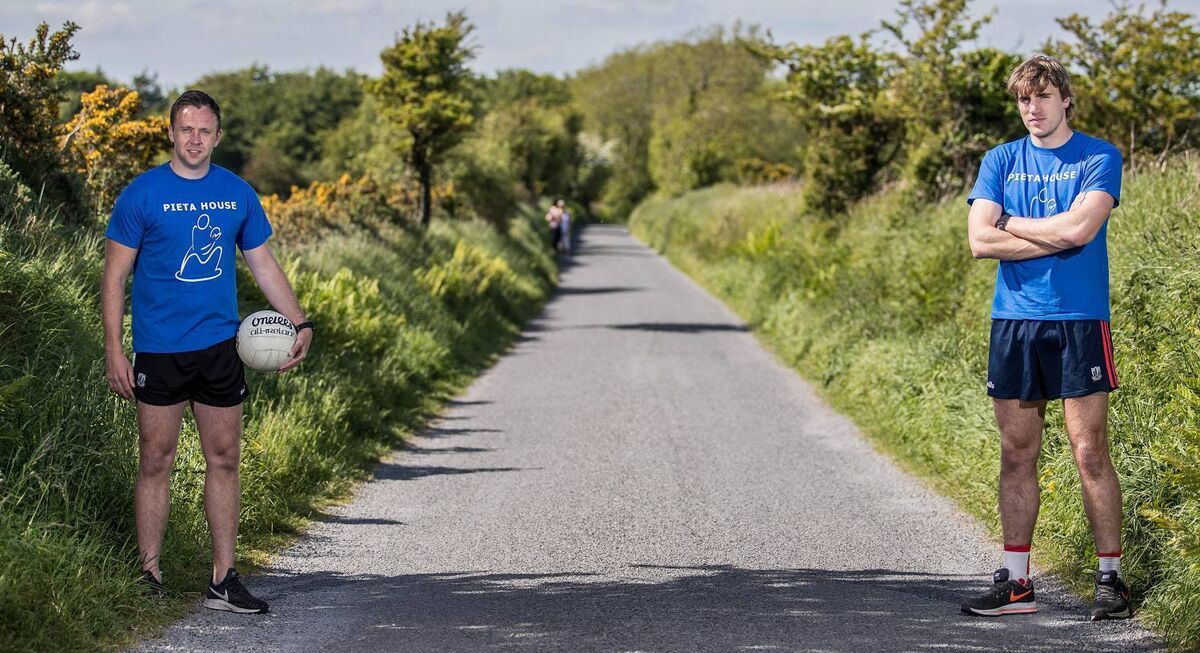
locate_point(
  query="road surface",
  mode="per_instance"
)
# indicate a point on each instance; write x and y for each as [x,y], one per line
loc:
[639,474]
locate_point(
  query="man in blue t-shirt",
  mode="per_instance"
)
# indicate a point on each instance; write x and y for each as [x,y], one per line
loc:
[176,228]
[1041,206]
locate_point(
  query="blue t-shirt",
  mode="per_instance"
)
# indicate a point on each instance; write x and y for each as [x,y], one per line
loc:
[184,279]
[1035,182]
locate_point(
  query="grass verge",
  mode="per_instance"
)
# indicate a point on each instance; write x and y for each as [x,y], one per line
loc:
[405,319]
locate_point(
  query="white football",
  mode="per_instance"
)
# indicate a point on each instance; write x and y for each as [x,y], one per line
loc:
[264,340]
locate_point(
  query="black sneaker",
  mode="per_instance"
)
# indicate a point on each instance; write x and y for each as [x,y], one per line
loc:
[231,596]
[1112,597]
[1005,597]
[150,584]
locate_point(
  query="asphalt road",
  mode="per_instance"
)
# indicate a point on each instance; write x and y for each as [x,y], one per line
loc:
[638,474]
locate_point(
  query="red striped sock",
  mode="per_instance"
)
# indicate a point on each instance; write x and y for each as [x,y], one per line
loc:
[1016,561]
[1110,561]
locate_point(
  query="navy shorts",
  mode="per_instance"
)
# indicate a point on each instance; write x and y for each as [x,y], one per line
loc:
[214,376]
[1036,360]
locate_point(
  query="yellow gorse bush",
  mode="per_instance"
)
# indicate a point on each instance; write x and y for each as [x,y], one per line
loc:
[325,206]
[108,146]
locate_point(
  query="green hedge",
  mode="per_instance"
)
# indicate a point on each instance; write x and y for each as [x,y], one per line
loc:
[886,310]
[405,319]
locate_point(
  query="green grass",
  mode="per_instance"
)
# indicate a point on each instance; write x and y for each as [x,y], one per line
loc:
[885,309]
[405,319]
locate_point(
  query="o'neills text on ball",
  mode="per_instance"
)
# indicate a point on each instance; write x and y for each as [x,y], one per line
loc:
[271,319]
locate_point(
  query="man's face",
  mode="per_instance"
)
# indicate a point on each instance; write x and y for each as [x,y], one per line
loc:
[1044,112]
[194,135]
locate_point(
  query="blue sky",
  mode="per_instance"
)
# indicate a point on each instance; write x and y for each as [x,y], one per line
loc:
[183,39]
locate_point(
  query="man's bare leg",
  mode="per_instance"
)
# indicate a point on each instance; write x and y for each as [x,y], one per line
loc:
[1021,424]
[220,438]
[1087,426]
[158,436]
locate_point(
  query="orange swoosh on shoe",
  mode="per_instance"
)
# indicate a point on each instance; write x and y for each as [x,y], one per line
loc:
[1014,597]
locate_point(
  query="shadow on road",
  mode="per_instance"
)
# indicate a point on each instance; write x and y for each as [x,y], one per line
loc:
[660,327]
[395,472]
[461,402]
[428,450]
[374,521]
[614,250]
[678,327]
[443,431]
[720,608]
[595,290]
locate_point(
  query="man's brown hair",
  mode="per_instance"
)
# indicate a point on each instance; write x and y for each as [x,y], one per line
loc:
[1038,72]
[198,99]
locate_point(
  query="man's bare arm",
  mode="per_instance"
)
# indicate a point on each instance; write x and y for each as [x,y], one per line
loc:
[989,242]
[1073,228]
[118,262]
[275,286]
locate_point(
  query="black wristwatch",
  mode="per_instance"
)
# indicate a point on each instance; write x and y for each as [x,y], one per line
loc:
[1002,222]
[306,325]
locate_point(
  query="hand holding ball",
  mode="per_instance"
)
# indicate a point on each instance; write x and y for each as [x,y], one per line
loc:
[264,340]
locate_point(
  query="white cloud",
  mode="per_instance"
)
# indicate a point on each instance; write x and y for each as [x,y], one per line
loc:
[92,15]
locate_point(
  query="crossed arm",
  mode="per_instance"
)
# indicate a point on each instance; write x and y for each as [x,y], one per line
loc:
[1026,238]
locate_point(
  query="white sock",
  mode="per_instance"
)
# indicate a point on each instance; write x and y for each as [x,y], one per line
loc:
[1016,561]
[1110,562]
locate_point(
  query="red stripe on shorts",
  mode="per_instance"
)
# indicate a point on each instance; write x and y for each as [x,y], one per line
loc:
[1106,335]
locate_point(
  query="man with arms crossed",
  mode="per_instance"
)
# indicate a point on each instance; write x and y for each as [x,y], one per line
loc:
[175,227]
[1041,206]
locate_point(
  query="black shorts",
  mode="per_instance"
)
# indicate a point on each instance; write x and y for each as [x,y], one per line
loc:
[1036,360]
[213,376]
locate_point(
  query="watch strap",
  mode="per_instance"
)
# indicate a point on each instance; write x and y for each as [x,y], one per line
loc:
[1002,222]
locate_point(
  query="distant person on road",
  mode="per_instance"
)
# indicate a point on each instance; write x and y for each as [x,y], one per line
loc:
[1041,206]
[175,228]
[564,238]
[554,217]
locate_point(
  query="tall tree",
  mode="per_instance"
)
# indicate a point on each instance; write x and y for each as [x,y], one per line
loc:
[836,90]
[528,119]
[153,98]
[712,110]
[275,123]
[617,101]
[679,115]
[425,90]
[949,99]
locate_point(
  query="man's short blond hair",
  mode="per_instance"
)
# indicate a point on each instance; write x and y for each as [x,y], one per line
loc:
[1038,72]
